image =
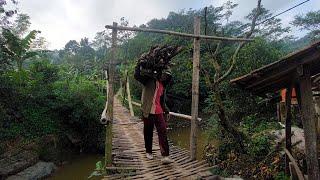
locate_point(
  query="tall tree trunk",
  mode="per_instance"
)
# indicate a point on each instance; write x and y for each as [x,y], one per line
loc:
[225,122]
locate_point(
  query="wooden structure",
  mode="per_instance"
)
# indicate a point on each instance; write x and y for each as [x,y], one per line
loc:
[183,116]
[195,80]
[298,70]
[130,162]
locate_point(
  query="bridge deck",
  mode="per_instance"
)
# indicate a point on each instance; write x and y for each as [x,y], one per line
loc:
[129,158]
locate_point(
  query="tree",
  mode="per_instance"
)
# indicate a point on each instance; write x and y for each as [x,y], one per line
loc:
[310,22]
[102,40]
[72,47]
[18,49]
[220,75]
[269,28]
[5,14]
[85,50]
[40,43]
[21,25]
[80,56]
[229,6]
[5,62]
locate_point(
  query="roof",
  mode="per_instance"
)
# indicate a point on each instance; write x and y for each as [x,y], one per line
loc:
[280,74]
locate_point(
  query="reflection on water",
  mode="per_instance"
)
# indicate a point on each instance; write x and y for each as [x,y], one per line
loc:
[79,168]
[180,136]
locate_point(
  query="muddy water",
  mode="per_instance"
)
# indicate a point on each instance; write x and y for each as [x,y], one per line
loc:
[79,168]
[180,136]
[82,166]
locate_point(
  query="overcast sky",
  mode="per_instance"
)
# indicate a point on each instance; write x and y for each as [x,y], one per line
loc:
[63,20]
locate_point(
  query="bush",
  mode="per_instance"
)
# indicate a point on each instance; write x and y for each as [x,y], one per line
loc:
[78,105]
[39,102]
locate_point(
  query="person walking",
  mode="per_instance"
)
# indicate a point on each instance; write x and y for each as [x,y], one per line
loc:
[153,109]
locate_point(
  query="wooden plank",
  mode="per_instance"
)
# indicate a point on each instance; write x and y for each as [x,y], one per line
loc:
[308,120]
[124,168]
[195,89]
[288,126]
[130,154]
[198,36]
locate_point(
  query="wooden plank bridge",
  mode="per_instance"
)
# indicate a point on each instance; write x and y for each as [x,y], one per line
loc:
[129,158]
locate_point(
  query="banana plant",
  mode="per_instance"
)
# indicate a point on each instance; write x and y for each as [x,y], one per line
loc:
[19,49]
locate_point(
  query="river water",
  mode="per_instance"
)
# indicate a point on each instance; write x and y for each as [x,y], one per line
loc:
[82,166]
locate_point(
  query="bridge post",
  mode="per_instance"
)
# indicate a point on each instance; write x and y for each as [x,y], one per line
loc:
[108,144]
[129,93]
[195,89]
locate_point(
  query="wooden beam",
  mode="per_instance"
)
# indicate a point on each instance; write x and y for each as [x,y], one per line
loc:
[195,89]
[288,126]
[295,164]
[108,143]
[274,71]
[308,120]
[198,36]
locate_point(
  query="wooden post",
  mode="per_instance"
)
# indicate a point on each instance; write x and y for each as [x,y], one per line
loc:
[308,120]
[108,148]
[195,89]
[288,126]
[104,118]
[129,94]
[317,108]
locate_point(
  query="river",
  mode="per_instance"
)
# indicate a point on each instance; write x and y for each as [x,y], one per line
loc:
[82,166]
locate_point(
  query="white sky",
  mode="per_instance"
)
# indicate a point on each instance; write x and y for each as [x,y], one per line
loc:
[64,20]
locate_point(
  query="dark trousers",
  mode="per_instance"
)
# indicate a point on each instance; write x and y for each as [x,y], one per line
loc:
[161,126]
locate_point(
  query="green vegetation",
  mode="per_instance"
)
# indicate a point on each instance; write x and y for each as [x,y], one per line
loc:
[61,93]
[44,97]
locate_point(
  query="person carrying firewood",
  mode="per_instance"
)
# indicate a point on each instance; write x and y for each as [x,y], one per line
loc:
[153,72]
[154,110]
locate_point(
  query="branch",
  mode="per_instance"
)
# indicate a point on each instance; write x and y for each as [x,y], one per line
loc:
[233,63]
[214,54]
[248,35]
[254,20]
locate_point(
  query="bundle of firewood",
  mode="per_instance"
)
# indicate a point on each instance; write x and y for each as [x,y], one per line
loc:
[157,59]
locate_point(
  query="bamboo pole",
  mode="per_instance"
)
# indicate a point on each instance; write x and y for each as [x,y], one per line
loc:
[288,126]
[198,36]
[195,89]
[103,118]
[135,103]
[183,116]
[129,94]
[108,147]
[295,165]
